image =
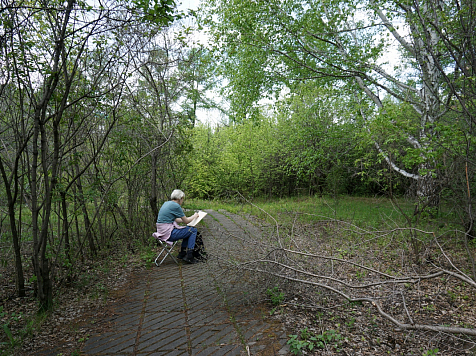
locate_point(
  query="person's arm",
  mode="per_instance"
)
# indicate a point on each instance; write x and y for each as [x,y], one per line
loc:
[185,219]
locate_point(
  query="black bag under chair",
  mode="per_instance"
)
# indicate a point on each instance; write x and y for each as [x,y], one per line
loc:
[199,252]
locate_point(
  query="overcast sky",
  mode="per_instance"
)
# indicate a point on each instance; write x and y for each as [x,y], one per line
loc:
[206,116]
[188,4]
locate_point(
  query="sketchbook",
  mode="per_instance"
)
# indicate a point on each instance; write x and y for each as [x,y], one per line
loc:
[201,215]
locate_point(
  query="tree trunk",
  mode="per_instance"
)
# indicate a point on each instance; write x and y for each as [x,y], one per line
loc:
[427,192]
[123,216]
[87,222]
[102,228]
[64,206]
[153,187]
[19,277]
[40,261]
[78,231]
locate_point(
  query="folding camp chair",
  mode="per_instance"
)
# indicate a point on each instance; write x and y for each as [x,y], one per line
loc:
[166,248]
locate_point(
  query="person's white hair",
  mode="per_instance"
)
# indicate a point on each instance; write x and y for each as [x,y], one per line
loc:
[177,194]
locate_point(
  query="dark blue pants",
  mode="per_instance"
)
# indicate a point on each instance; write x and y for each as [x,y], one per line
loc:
[188,235]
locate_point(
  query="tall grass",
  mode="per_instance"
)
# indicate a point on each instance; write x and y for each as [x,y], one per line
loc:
[363,211]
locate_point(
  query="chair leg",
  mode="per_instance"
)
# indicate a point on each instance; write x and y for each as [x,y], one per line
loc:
[168,252]
[158,256]
[173,257]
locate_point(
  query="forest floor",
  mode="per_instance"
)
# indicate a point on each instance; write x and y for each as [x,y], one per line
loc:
[343,328]
[318,318]
[77,307]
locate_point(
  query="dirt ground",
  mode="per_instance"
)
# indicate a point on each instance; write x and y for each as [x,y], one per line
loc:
[78,308]
[336,327]
[331,325]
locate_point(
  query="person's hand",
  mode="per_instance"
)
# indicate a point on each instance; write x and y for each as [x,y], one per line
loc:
[196,215]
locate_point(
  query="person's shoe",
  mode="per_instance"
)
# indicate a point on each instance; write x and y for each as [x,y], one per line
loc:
[182,253]
[189,257]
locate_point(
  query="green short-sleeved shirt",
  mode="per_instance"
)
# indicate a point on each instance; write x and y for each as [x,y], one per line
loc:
[169,211]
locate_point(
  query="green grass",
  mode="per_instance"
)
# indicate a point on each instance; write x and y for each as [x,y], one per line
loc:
[359,210]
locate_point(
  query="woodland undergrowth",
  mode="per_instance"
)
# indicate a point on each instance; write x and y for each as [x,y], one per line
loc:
[78,302]
[342,287]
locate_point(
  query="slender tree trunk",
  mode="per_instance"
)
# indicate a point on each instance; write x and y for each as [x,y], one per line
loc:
[67,245]
[35,212]
[40,226]
[87,222]
[102,228]
[19,277]
[78,231]
[153,187]
[122,215]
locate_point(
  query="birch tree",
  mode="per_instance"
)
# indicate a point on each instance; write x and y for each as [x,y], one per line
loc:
[165,99]
[373,50]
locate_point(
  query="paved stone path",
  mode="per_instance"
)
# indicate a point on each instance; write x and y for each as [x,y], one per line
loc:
[191,309]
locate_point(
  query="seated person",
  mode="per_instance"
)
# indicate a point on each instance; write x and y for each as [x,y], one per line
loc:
[170,214]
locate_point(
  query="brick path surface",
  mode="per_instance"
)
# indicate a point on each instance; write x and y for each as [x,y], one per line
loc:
[190,309]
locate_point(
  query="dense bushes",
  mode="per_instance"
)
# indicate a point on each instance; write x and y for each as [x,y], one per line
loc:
[308,144]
